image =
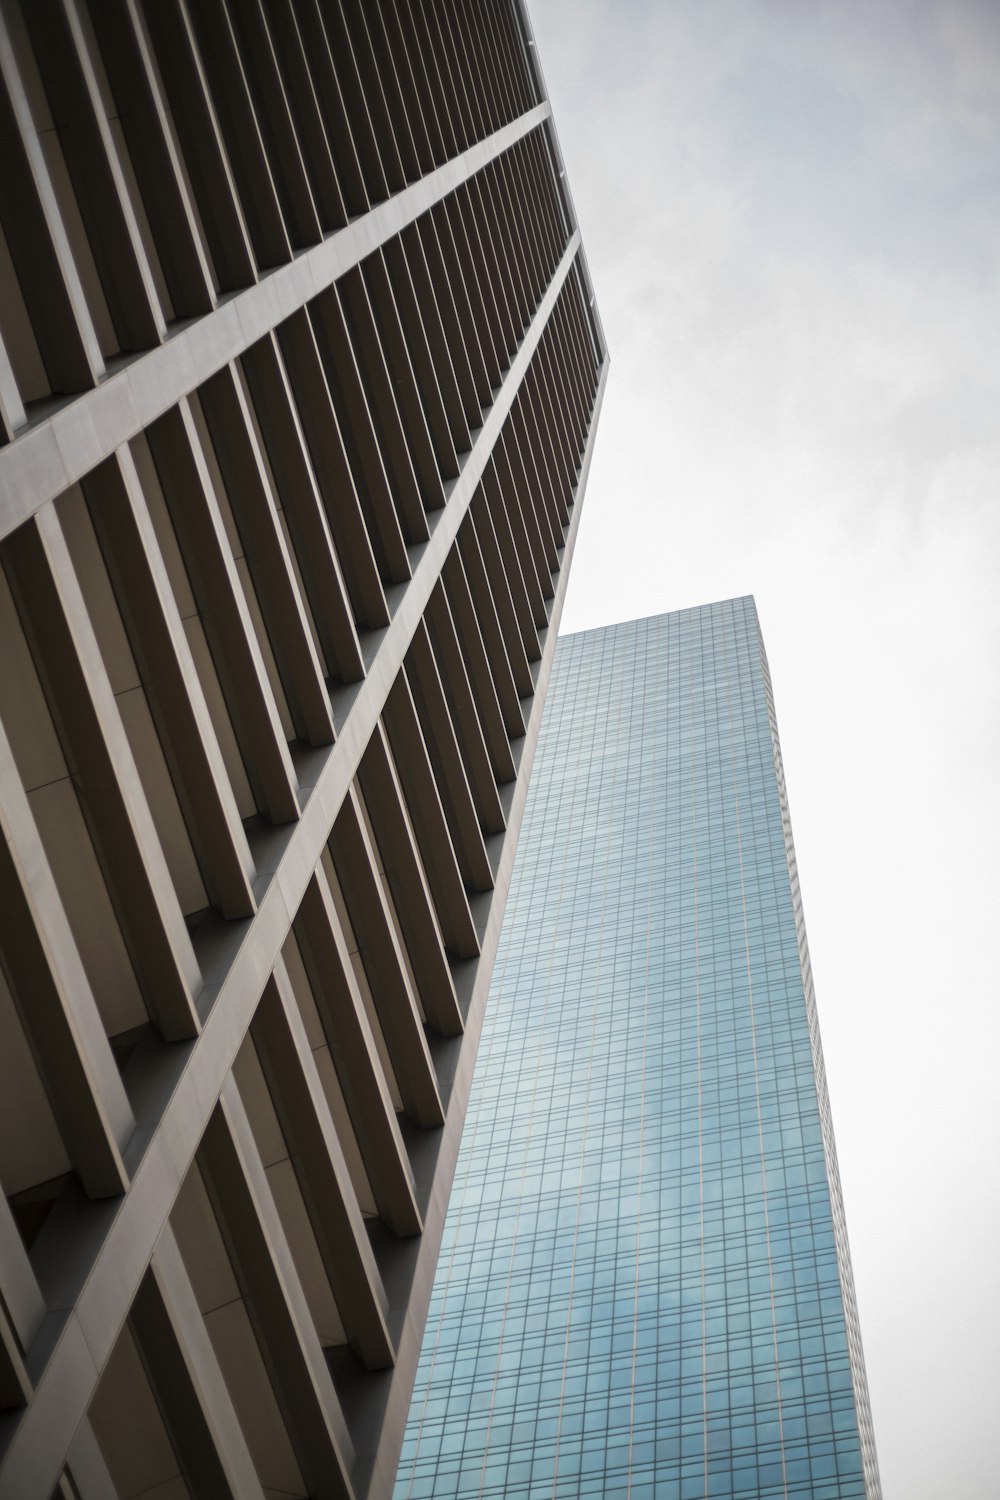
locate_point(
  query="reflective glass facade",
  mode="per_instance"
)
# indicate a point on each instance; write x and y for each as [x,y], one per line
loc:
[644,1287]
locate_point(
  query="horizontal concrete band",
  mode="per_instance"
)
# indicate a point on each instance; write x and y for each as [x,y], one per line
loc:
[386,1458]
[37,1449]
[45,460]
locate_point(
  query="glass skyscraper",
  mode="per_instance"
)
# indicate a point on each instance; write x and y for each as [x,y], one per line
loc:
[644,1288]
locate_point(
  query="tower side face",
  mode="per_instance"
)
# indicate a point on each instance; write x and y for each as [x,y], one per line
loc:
[299,377]
[644,1285]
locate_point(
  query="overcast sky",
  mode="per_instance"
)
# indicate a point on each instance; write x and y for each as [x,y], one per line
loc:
[792,216]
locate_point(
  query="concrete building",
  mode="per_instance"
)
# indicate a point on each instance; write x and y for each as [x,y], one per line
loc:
[299,373]
[644,1288]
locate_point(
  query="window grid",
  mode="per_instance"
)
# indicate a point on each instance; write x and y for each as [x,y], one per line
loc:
[639,1292]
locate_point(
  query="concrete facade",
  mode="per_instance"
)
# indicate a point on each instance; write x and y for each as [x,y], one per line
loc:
[299,377]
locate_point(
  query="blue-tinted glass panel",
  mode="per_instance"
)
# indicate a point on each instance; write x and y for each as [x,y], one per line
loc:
[643,1287]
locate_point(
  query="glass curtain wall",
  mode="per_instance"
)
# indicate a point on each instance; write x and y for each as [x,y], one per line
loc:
[640,1292]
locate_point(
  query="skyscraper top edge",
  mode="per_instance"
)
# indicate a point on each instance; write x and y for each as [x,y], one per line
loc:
[663,615]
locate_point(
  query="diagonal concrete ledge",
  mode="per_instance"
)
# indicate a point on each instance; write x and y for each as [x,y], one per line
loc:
[379,1445]
[44,460]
